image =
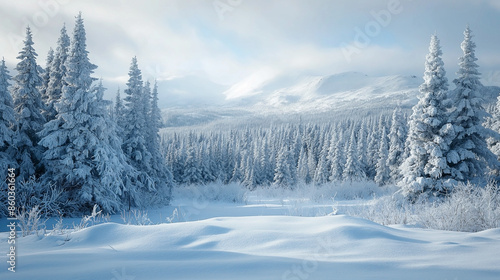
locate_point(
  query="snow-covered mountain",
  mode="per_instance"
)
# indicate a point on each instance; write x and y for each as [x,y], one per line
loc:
[344,92]
[349,90]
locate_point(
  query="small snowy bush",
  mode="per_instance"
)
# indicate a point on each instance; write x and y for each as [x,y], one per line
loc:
[136,217]
[30,221]
[46,196]
[94,218]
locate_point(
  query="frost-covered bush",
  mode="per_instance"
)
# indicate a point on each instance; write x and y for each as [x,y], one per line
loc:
[469,208]
[136,217]
[387,210]
[233,192]
[46,196]
[95,217]
[30,221]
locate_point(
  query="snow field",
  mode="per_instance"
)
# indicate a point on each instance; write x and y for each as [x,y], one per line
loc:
[268,234]
[259,247]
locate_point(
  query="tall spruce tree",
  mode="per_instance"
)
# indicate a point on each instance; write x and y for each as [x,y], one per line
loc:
[469,154]
[397,136]
[135,133]
[353,170]
[429,135]
[56,75]
[28,106]
[382,169]
[46,78]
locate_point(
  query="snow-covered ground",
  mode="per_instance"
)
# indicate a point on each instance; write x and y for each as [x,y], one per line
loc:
[260,238]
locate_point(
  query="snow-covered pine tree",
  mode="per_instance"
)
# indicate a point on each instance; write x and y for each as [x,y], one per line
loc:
[192,173]
[116,176]
[83,153]
[134,130]
[265,163]
[338,161]
[353,170]
[282,174]
[382,169]
[7,123]
[28,106]
[397,137]
[493,123]
[46,78]
[118,109]
[372,150]
[469,154]
[363,145]
[57,72]
[303,173]
[322,173]
[429,135]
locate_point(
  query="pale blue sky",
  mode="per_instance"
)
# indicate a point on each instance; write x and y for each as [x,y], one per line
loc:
[251,42]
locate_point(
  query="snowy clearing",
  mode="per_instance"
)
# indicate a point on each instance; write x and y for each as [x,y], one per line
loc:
[264,238]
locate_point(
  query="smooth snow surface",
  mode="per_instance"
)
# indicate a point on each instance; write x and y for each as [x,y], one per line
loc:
[257,247]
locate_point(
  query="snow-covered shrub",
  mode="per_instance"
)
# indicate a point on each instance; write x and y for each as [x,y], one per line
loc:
[30,221]
[387,210]
[469,208]
[58,228]
[94,218]
[46,196]
[136,217]
[232,192]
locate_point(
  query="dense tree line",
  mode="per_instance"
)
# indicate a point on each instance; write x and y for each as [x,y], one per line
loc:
[446,139]
[57,131]
[342,150]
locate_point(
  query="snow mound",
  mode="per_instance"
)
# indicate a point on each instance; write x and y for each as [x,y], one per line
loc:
[265,247]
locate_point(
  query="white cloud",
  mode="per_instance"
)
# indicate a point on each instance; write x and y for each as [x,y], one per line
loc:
[257,40]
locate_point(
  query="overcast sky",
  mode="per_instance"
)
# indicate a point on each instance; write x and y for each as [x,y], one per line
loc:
[244,43]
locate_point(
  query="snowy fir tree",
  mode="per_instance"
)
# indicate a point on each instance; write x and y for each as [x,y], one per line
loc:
[382,169]
[430,135]
[83,153]
[493,123]
[353,171]
[469,154]
[338,161]
[303,173]
[28,106]
[162,175]
[57,71]
[7,122]
[118,110]
[397,137]
[134,130]
[46,78]
[283,175]
[322,173]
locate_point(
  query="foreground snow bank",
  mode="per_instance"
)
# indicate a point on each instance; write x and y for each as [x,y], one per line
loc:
[258,247]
